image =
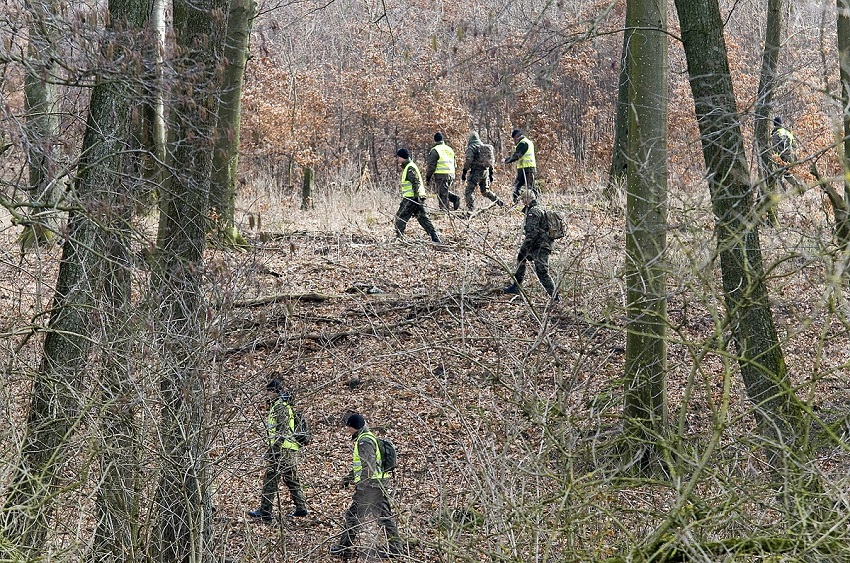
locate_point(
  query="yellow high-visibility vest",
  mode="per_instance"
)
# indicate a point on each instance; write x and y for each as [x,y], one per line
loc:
[407,187]
[527,160]
[271,424]
[358,463]
[446,162]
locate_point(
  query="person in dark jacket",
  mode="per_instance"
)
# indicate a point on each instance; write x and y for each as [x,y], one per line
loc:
[479,176]
[536,246]
[280,454]
[440,167]
[526,163]
[412,198]
[370,492]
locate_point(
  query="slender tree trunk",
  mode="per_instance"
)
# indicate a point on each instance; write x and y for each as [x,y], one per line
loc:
[645,410]
[42,122]
[307,186]
[764,104]
[760,357]
[183,498]
[844,63]
[619,162]
[58,398]
[226,155]
[152,136]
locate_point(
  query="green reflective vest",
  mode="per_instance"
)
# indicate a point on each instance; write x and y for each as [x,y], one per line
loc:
[407,187]
[288,441]
[358,463]
[527,160]
[446,161]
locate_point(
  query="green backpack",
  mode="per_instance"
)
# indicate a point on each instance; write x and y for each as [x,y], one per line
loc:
[555,227]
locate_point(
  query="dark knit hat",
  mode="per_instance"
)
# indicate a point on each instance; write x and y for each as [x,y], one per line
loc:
[777,120]
[355,421]
[403,153]
[438,137]
[274,385]
[516,133]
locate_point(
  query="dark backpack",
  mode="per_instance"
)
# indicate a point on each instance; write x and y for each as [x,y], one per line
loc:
[555,227]
[485,156]
[389,457]
[302,433]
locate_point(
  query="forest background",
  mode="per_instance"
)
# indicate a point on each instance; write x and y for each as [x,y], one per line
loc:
[152,282]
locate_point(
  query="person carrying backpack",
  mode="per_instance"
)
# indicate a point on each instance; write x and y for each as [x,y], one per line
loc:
[526,163]
[478,161]
[536,246]
[283,445]
[370,492]
[440,166]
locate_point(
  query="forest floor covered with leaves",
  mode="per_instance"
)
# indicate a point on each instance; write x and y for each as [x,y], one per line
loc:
[504,409]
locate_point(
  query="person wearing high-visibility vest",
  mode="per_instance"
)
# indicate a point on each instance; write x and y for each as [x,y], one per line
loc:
[280,454]
[440,167]
[412,198]
[783,146]
[370,492]
[526,163]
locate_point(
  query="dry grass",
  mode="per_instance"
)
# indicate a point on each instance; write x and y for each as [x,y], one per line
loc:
[505,410]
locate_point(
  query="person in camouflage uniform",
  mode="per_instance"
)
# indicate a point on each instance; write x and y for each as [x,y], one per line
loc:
[412,198]
[370,492]
[536,246]
[478,177]
[526,163]
[440,166]
[281,454]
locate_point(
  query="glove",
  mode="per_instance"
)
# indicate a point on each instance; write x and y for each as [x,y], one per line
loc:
[347,481]
[508,160]
[463,176]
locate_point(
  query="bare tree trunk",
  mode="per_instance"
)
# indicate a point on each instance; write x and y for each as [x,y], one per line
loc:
[645,409]
[58,399]
[184,524]
[778,411]
[307,186]
[226,152]
[844,63]
[42,123]
[764,104]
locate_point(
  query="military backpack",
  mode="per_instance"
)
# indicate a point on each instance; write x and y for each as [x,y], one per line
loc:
[555,227]
[485,156]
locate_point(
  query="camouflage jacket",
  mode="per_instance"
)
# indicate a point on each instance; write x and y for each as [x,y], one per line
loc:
[536,235]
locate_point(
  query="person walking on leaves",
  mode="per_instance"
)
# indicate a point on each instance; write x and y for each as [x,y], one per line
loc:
[536,246]
[440,166]
[280,454]
[412,198]
[370,492]
[478,161]
[526,164]
[783,146]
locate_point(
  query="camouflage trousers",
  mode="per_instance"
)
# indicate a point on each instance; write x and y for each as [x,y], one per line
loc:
[540,258]
[447,198]
[370,497]
[282,467]
[409,208]
[481,180]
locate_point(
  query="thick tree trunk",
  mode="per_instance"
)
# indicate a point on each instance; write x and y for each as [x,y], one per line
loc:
[58,398]
[183,499]
[764,104]
[645,410]
[226,154]
[778,412]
